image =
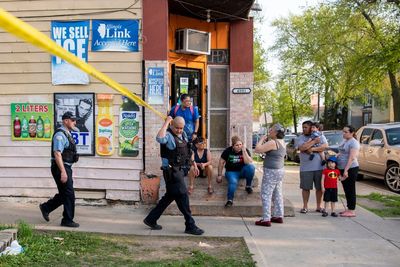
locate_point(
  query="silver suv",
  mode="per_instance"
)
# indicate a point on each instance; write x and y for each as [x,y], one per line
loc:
[380,153]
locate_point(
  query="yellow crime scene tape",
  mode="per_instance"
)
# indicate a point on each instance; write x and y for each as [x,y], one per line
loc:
[31,35]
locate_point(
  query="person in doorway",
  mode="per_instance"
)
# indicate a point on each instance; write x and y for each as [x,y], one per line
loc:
[83,112]
[63,155]
[310,170]
[202,158]
[190,113]
[330,175]
[175,154]
[348,166]
[238,164]
[271,186]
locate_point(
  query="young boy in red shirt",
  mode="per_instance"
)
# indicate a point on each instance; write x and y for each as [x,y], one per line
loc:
[330,175]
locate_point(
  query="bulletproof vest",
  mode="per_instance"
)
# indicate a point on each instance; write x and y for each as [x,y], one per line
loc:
[69,154]
[180,156]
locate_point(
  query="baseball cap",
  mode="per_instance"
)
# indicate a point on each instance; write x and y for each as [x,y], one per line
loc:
[333,159]
[68,115]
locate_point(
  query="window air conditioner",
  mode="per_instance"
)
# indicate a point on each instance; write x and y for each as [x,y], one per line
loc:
[189,41]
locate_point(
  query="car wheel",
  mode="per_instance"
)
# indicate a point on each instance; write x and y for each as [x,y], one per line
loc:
[392,178]
[360,177]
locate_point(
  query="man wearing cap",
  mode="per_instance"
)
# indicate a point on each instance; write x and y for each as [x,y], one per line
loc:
[63,155]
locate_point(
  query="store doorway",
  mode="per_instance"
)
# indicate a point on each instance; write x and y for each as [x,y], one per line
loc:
[187,81]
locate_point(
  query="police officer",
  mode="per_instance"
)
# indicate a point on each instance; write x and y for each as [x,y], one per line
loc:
[176,156]
[63,155]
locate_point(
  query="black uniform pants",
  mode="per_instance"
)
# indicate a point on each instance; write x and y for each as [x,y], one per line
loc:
[176,190]
[349,187]
[65,196]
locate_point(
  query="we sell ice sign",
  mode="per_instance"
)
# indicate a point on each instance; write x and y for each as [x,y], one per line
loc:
[115,35]
[74,37]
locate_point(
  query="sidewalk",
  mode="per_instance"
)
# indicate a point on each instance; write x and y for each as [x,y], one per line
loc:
[304,240]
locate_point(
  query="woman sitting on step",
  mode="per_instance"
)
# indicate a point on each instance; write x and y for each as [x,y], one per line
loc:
[202,157]
[238,164]
[271,186]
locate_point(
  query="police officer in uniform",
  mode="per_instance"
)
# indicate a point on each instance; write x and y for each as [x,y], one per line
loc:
[63,155]
[176,156]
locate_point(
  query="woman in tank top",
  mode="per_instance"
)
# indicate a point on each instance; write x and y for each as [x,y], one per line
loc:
[271,186]
[202,157]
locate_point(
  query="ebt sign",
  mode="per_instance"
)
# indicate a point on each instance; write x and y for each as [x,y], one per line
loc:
[115,35]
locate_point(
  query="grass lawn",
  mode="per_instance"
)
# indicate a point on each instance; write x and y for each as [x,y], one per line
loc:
[382,205]
[48,248]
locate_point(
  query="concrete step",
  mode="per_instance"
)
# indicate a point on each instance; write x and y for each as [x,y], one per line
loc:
[217,208]
[6,237]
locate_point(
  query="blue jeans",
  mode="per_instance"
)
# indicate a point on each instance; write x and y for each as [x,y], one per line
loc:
[247,172]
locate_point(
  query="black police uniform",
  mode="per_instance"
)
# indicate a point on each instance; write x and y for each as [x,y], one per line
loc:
[178,160]
[66,194]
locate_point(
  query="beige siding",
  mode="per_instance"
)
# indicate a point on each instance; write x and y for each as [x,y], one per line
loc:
[25,76]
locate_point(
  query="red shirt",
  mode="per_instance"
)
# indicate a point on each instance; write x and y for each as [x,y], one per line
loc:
[330,177]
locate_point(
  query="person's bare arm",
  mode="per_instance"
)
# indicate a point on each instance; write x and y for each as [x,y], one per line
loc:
[353,155]
[221,165]
[263,148]
[307,145]
[163,131]
[60,164]
[320,148]
[208,159]
[246,157]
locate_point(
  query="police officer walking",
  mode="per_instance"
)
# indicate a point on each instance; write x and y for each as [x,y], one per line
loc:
[63,155]
[176,155]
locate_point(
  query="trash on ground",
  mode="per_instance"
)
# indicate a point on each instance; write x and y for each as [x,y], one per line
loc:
[204,245]
[13,249]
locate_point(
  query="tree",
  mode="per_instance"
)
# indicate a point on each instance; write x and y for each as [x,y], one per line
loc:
[262,95]
[383,31]
[325,45]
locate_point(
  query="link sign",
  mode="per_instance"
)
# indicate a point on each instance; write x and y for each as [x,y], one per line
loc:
[241,90]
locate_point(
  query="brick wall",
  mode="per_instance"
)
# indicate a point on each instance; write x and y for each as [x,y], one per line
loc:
[241,107]
[153,122]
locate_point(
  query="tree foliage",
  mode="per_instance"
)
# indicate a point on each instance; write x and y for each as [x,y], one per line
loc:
[335,51]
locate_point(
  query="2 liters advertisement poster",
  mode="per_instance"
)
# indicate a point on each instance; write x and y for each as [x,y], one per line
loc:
[31,121]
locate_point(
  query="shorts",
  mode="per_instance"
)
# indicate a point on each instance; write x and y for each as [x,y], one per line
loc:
[308,178]
[330,195]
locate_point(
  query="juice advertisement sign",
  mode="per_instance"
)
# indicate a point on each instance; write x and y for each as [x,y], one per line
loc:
[105,126]
[128,128]
[31,121]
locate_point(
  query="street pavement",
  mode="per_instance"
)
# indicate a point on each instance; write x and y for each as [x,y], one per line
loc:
[303,240]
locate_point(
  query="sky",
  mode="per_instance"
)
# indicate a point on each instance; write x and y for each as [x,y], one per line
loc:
[271,10]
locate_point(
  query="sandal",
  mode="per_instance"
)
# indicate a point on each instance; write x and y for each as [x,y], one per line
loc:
[303,210]
[320,210]
[210,190]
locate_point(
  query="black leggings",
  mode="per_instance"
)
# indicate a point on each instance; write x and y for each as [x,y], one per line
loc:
[349,187]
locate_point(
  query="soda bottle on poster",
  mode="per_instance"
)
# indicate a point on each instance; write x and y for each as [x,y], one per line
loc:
[17,127]
[47,128]
[40,127]
[105,126]
[32,127]
[128,128]
[24,128]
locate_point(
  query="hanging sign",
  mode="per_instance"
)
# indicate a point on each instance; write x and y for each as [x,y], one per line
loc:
[183,85]
[241,91]
[31,121]
[115,35]
[156,85]
[105,125]
[74,37]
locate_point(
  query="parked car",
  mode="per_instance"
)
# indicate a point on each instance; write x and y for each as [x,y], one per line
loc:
[289,137]
[334,139]
[380,153]
[292,153]
[256,137]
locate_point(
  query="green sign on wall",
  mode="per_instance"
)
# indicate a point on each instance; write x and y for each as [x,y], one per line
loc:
[31,121]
